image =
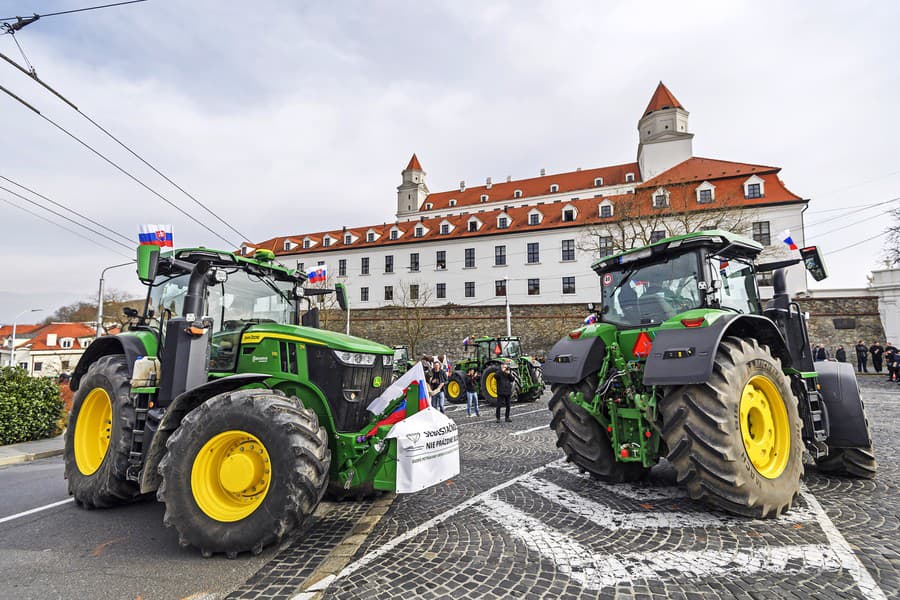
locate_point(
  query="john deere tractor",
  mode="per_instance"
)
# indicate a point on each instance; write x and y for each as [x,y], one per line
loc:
[402,362]
[490,353]
[225,399]
[684,362]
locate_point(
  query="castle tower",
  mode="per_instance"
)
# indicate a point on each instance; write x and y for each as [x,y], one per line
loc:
[413,191]
[663,134]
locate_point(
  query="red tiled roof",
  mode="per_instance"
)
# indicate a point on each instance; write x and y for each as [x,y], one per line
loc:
[703,169]
[535,186]
[62,330]
[21,329]
[662,98]
[414,164]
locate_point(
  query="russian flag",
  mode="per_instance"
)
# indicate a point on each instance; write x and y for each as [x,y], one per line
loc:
[156,235]
[590,319]
[316,274]
[788,240]
[400,413]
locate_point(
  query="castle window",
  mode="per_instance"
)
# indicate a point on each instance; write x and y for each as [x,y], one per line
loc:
[704,196]
[598,182]
[517,194]
[753,191]
[395,234]
[606,210]
[419,232]
[306,243]
[484,197]
[445,228]
[429,206]
[657,236]
[452,201]
[761,233]
[534,218]
[661,199]
[370,237]
[755,187]
[470,289]
[348,239]
[629,177]
[287,246]
[473,225]
[326,242]
[554,188]
[502,222]
[568,215]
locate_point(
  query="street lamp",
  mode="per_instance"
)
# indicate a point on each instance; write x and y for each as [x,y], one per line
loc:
[12,349]
[100,296]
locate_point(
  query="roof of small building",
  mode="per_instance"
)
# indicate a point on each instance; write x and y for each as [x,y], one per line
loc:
[21,329]
[62,331]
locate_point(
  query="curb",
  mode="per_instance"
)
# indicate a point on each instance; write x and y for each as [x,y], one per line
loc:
[17,459]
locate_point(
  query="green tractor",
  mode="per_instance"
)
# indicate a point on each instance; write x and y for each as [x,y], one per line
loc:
[683,361]
[402,362]
[225,399]
[490,353]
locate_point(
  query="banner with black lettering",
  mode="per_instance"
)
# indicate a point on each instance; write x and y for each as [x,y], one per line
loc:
[427,450]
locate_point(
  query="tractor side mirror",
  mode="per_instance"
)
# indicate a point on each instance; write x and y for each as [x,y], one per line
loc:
[341,290]
[148,263]
[813,262]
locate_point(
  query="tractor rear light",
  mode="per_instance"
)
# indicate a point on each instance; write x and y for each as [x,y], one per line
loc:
[609,429]
[697,322]
[642,345]
[624,453]
[647,434]
[575,334]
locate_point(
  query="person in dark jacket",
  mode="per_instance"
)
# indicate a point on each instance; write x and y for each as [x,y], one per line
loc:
[472,393]
[862,357]
[819,353]
[504,390]
[890,361]
[876,351]
[841,354]
[437,382]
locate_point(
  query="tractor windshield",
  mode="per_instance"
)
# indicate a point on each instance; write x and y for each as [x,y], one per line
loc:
[400,355]
[737,285]
[504,348]
[651,294]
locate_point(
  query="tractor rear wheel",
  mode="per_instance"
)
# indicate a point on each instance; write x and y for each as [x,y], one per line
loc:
[735,440]
[584,440]
[537,385]
[456,388]
[243,469]
[98,439]
[489,384]
[851,462]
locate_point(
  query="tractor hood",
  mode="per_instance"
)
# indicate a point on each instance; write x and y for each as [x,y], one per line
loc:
[310,335]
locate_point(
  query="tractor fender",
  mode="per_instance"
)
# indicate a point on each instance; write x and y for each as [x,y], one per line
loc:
[129,345]
[571,360]
[686,356]
[848,426]
[182,405]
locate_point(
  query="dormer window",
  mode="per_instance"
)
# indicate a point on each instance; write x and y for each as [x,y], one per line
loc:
[429,206]
[661,198]
[348,239]
[326,242]
[755,187]
[66,343]
[629,177]
[395,233]
[419,231]
[445,228]
[473,225]
[534,217]
[306,244]
[452,201]
[484,197]
[598,181]
[606,211]
[517,194]
[554,188]
[370,236]
[706,193]
[502,222]
[568,215]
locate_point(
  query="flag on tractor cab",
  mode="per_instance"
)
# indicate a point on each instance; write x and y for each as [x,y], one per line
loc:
[787,239]
[156,235]
[723,264]
[590,319]
[316,274]
[400,412]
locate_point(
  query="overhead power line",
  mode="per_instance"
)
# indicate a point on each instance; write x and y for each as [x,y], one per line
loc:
[68,12]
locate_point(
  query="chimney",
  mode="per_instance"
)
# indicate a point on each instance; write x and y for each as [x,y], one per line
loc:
[462,185]
[543,172]
[508,178]
[51,339]
[488,183]
[578,169]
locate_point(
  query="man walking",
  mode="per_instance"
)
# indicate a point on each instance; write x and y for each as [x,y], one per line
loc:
[841,354]
[862,357]
[504,390]
[472,393]
[876,351]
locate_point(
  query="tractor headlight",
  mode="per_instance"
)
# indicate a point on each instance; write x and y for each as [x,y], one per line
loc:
[387,360]
[355,359]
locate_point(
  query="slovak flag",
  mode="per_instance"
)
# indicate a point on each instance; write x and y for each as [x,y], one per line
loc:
[316,274]
[400,412]
[156,235]
[788,239]
[590,319]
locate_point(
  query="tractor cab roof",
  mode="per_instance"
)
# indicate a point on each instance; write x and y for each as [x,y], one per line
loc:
[722,243]
[223,258]
[489,338]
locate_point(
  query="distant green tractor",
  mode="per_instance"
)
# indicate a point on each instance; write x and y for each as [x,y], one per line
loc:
[402,362]
[490,353]
[685,362]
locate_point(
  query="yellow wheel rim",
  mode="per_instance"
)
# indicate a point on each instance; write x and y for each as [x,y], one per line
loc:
[765,428]
[453,389]
[92,431]
[490,384]
[230,476]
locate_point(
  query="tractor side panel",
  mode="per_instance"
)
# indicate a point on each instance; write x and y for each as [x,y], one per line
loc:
[570,361]
[849,427]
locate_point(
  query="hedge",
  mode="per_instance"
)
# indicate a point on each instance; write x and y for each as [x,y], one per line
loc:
[30,407]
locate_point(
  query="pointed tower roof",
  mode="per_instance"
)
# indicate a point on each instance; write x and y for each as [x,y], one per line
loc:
[662,98]
[414,164]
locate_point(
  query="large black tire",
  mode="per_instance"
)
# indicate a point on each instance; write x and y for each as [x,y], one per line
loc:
[107,484]
[456,388]
[489,384]
[298,453]
[849,462]
[702,426]
[584,440]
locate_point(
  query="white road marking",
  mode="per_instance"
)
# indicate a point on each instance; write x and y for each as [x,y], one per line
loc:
[524,431]
[635,491]
[316,588]
[391,544]
[842,548]
[609,518]
[596,571]
[515,414]
[36,510]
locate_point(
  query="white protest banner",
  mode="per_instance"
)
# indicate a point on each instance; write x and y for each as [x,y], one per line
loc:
[395,390]
[427,450]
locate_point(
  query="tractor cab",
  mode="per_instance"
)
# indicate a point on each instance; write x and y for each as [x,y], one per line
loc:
[496,348]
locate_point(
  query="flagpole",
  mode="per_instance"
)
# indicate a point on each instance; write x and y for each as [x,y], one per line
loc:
[508,314]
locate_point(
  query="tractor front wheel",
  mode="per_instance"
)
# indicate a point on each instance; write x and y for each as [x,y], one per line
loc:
[243,469]
[98,439]
[584,440]
[735,440]
[456,388]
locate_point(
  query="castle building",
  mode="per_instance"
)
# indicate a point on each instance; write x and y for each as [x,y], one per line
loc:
[535,239]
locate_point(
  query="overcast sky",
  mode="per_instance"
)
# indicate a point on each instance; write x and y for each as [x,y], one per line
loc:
[287,117]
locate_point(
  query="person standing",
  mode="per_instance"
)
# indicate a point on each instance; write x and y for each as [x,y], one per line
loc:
[820,353]
[890,361]
[876,351]
[437,383]
[504,390]
[862,357]
[472,393]
[841,354]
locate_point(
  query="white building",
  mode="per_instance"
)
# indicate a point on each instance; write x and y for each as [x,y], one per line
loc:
[885,283]
[536,238]
[50,349]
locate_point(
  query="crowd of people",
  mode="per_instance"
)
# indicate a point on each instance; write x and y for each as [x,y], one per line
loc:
[439,377]
[884,358]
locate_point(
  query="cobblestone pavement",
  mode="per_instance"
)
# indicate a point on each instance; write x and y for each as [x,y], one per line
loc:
[519,522]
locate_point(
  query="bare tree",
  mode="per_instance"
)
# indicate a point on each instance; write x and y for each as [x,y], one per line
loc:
[892,243]
[413,298]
